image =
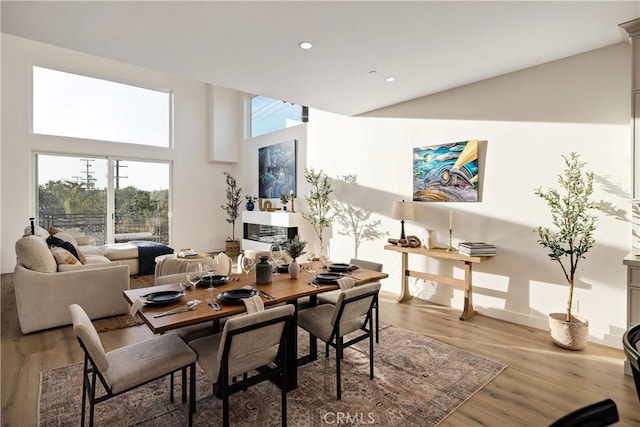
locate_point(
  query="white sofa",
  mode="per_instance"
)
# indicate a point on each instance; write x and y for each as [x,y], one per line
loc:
[48,280]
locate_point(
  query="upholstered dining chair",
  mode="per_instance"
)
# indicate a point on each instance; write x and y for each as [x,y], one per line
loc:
[599,414]
[255,343]
[131,366]
[631,347]
[331,323]
[332,297]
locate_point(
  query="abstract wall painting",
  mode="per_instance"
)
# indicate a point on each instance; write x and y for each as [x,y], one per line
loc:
[446,173]
[277,170]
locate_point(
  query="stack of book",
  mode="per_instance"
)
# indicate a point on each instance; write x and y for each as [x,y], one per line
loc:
[476,249]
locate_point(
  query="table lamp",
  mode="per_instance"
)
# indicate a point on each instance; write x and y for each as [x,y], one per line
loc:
[402,211]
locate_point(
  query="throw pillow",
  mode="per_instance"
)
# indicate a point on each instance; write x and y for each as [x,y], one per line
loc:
[53,242]
[63,256]
[54,230]
[69,238]
[34,254]
[37,230]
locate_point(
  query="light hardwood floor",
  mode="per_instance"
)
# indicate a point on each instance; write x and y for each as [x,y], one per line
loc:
[541,383]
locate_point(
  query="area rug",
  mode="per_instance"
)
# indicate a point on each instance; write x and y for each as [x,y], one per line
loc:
[418,382]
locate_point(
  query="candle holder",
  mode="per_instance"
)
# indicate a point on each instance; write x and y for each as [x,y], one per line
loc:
[450,248]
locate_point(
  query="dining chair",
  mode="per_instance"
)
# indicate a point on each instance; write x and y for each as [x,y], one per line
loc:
[332,297]
[631,345]
[125,368]
[224,264]
[331,323]
[597,414]
[255,343]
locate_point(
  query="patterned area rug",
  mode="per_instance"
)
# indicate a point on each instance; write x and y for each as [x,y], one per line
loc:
[418,382]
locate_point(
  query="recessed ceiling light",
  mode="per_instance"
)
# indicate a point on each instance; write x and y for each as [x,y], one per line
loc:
[305,45]
[389,79]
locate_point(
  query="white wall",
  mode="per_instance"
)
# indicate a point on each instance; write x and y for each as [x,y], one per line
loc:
[198,185]
[528,119]
[578,104]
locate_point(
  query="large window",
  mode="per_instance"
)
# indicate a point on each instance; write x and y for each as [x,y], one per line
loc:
[111,200]
[269,115]
[72,105]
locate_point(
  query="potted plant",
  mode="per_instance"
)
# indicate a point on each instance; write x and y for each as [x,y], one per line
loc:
[319,204]
[294,248]
[232,245]
[570,207]
[284,199]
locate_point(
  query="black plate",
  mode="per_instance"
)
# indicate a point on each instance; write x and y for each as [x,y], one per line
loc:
[341,267]
[283,268]
[163,297]
[328,277]
[213,280]
[235,296]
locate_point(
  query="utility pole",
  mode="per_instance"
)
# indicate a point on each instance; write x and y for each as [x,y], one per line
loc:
[89,179]
[117,173]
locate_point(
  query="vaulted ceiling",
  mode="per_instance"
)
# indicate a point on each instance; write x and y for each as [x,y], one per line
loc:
[252,46]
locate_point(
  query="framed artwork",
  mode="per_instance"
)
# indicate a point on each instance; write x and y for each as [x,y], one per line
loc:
[277,170]
[446,173]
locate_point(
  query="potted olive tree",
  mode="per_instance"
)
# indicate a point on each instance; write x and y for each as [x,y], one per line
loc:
[232,245]
[568,243]
[318,201]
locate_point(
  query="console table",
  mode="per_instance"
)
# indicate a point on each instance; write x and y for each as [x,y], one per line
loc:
[440,253]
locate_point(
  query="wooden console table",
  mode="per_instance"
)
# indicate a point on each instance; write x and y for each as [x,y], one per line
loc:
[440,253]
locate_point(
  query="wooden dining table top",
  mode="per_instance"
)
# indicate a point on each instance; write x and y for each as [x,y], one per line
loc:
[283,288]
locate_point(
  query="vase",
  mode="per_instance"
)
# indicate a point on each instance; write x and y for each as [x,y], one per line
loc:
[250,205]
[294,269]
[570,335]
[263,271]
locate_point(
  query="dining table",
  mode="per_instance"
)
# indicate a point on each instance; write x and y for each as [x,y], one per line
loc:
[282,289]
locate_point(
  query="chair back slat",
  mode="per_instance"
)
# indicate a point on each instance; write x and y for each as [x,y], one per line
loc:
[354,303]
[87,334]
[251,341]
[367,265]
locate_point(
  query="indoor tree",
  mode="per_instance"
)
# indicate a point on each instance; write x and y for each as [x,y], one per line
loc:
[318,202]
[570,207]
[233,202]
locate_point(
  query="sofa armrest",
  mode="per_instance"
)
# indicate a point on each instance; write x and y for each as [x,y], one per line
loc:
[43,299]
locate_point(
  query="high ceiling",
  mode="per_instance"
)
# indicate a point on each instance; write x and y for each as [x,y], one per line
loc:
[428,47]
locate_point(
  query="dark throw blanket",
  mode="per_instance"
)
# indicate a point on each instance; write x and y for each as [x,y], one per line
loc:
[147,253]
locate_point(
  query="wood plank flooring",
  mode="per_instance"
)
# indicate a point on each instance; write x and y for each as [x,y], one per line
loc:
[542,382]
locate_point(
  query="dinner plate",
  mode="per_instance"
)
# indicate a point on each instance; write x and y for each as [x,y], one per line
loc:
[235,296]
[340,267]
[283,268]
[163,297]
[213,280]
[328,277]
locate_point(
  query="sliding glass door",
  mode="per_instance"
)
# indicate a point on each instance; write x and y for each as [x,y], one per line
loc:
[110,200]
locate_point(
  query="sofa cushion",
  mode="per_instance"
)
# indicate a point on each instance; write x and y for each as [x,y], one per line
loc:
[89,266]
[118,251]
[63,235]
[63,256]
[90,250]
[34,254]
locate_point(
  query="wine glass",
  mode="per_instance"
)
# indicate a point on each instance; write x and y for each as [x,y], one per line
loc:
[324,256]
[276,255]
[247,265]
[210,265]
[195,273]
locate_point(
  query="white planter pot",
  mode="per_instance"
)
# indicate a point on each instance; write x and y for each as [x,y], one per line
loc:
[571,335]
[294,269]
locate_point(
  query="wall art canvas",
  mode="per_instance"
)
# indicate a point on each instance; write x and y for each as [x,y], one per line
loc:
[277,170]
[446,173]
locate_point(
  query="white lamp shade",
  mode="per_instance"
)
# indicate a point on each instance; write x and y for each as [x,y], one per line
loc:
[403,210]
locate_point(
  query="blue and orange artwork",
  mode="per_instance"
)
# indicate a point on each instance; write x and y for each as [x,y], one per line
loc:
[446,173]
